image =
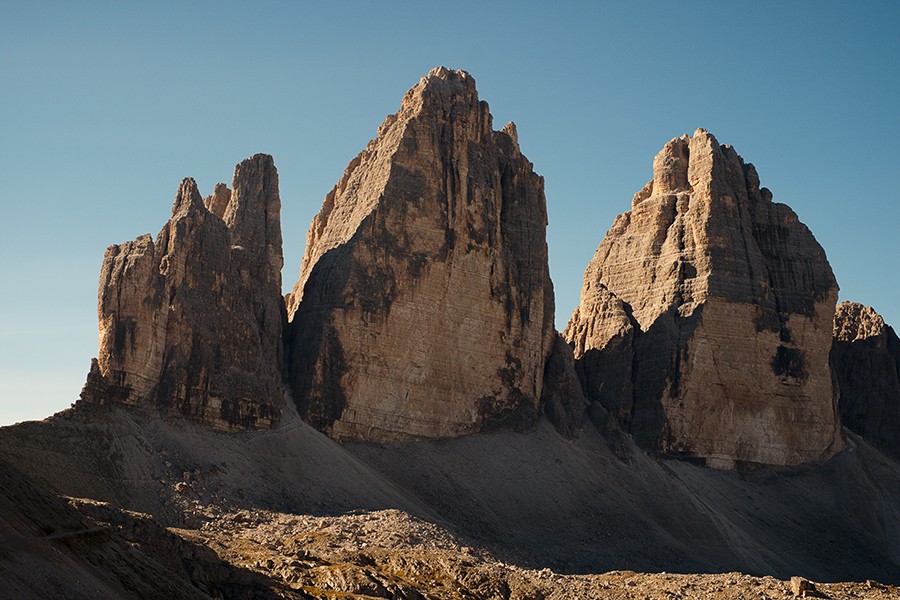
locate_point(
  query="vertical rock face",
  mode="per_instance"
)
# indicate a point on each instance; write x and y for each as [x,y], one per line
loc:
[866,359]
[424,306]
[705,317]
[192,323]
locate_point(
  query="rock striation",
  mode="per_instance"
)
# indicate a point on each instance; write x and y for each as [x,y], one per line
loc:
[192,323]
[424,307]
[866,359]
[705,317]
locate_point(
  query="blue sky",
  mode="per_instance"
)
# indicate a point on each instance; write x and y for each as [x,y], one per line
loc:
[105,107]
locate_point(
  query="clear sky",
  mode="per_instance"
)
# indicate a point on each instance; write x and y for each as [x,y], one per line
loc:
[105,107]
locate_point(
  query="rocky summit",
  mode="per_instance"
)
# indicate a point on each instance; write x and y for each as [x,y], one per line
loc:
[191,324]
[705,318]
[424,307]
[866,359]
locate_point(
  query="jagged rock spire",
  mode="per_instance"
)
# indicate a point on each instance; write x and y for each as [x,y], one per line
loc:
[191,324]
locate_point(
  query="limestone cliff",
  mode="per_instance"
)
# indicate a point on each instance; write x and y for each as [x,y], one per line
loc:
[424,306]
[866,359]
[191,324]
[705,317]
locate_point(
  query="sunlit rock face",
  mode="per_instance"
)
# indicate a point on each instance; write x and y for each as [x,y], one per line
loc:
[705,318]
[424,307]
[866,359]
[191,323]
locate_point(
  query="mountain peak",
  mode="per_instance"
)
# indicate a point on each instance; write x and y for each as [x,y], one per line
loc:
[191,324]
[705,317]
[434,236]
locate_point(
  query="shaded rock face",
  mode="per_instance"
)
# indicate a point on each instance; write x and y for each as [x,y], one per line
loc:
[192,323]
[705,317]
[424,306]
[866,359]
[562,396]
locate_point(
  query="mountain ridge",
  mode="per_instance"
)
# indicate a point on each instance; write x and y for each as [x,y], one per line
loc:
[408,423]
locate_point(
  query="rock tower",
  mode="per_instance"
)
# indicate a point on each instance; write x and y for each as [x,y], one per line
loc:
[192,323]
[866,359]
[424,307]
[706,314]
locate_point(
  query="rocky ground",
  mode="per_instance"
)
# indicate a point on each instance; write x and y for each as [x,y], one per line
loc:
[390,554]
[177,511]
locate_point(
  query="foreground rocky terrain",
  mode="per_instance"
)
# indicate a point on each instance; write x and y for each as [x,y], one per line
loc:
[407,423]
[177,510]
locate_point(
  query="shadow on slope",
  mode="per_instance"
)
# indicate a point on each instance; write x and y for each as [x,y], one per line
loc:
[536,500]
[84,550]
[163,467]
[539,500]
